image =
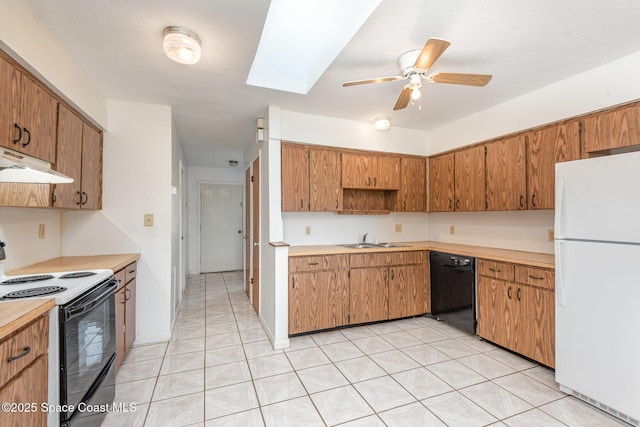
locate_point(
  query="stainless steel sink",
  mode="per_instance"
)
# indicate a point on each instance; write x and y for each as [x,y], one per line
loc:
[391,245]
[360,246]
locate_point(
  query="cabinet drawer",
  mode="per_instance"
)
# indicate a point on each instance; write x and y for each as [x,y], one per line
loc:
[499,270]
[405,258]
[120,277]
[368,260]
[33,340]
[534,276]
[316,263]
[130,272]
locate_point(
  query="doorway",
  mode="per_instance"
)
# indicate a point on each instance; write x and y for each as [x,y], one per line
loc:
[255,234]
[221,227]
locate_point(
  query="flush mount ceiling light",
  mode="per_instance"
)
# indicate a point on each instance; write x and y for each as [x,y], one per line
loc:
[382,123]
[181,45]
[233,163]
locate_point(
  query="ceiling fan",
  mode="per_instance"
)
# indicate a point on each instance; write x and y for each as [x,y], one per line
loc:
[415,64]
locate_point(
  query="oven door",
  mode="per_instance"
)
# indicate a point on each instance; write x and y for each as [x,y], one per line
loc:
[87,347]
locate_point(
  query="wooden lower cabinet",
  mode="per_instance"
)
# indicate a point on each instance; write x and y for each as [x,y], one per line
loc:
[519,313]
[317,292]
[24,374]
[327,291]
[125,311]
[368,295]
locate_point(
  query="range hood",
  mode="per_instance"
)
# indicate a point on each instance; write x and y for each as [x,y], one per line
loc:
[18,167]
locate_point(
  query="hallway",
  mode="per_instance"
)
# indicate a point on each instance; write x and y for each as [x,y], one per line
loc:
[220,367]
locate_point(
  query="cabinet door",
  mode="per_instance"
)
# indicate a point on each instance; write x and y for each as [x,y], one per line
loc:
[413,192]
[295,177]
[9,105]
[358,170]
[506,174]
[130,315]
[612,129]
[25,195]
[38,115]
[494,311]
[317,300]
[120,320]
[441,183]
[325,173]
[368,295]
[69,159]
[30,386]
[386,172]
[470,179]
[536,331]
[406,291]
[545,148]
[91,168]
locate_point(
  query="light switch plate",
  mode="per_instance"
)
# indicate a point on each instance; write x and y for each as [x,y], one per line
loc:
[148,220]
[452,229]
[41,231]
[398,228]
[551,235]
[307,230]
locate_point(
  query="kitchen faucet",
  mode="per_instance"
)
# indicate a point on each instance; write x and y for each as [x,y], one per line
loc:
[364,237]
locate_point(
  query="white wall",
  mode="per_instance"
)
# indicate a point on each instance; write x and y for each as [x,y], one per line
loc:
[137,180]
[197,175]
[177,158]
[19,230]
[29,41]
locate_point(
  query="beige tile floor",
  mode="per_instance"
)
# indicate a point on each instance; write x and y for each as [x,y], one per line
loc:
[219,369]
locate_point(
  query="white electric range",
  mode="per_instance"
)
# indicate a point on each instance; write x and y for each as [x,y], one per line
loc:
[83,307]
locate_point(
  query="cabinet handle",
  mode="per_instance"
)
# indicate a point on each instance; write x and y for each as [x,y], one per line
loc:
[312,263]
[405,205]
[85,197]
[393,275]
[385,274]
[369,181]
[374,181]
[449,206]
[25,130]
[19,137]
[518,294]
[533,200]
[495,270]
[293,283]
[536,277]
[509,292]
[26,350]
[127,294]
[521,201]
[301,203]
[131,271]
[457,204]
[79,202]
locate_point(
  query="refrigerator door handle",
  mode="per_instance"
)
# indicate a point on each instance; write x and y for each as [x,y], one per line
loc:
[561,258]
[561,207]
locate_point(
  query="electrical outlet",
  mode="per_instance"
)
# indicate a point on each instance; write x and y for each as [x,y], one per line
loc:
[41,231]
[550,235]
[452,229]
[148,220]
[398,228]
[307,230]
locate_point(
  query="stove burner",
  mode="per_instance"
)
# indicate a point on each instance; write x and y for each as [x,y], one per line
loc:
[34,292]
[27,279]
[77,275]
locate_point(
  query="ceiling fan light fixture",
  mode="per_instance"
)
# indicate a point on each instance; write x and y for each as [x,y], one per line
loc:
[181,45]
[382,123]
[415,93]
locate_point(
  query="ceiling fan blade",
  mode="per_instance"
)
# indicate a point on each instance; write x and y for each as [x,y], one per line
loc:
[460,79]
[378,80]
[403,99]
[430,53]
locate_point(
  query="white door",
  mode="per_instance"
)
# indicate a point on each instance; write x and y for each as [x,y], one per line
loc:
[221,227]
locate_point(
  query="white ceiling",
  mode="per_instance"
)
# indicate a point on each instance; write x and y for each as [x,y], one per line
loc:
[524,44]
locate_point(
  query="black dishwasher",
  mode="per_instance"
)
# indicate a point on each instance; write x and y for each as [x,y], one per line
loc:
[453,289]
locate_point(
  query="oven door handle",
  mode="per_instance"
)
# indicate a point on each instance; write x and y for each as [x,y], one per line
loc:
[77,310]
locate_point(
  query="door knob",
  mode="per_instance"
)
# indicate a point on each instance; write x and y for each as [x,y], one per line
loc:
[256,243]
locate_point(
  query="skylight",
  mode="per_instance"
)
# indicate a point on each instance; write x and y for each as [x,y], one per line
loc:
[301,38]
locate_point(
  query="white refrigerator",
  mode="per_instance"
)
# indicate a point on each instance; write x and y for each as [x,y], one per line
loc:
[597,257]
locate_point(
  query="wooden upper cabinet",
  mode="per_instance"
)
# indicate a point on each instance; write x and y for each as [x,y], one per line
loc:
[28,114]
[91,168]
[370,171]
[69,159]
[325,173]
[79,156]
[470,179]
[545,148]
[295,177]
[412,196]
[617,128]
[441,183]
[506,174]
